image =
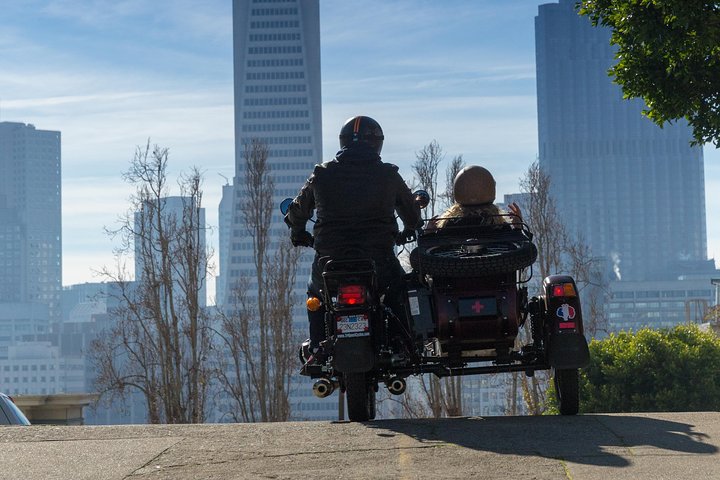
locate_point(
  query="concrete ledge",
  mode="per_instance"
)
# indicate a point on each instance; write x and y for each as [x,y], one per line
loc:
[59,409]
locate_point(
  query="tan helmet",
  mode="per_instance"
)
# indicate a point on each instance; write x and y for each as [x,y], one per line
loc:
[474,185]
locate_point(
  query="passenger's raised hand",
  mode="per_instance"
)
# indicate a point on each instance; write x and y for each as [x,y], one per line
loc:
[516,213]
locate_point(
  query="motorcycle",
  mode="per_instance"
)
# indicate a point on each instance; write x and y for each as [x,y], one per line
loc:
[465,303]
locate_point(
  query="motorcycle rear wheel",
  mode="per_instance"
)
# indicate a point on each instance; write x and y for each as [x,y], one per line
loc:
[360,396]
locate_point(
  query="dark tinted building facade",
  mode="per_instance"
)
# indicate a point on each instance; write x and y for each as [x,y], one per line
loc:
[633,191]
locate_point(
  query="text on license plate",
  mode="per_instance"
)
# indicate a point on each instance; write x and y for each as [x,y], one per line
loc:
[352,326]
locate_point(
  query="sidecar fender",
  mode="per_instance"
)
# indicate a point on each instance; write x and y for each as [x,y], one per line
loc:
[567,346]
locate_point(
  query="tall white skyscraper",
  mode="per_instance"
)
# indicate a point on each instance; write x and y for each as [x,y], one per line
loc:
[634,191]
[278,101]
[30,220]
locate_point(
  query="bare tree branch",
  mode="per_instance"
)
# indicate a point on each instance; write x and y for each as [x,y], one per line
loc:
[425,169]
[437,397]
[448,197]
[256,325]
[558,252]
[159,342]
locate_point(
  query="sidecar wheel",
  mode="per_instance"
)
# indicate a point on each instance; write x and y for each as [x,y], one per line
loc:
[567,390]
[360,396]
[475,260]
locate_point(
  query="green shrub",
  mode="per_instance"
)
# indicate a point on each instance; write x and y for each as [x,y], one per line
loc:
[668,370]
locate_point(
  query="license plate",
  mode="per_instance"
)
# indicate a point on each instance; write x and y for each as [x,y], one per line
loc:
[352,326]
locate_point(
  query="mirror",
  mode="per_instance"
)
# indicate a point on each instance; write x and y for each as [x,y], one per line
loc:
[285,205]
[422,198]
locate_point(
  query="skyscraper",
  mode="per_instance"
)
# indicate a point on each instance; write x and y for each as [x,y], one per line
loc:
[30,220]
[633,191]
[277,101]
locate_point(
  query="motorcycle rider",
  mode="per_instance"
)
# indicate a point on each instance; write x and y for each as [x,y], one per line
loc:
[355,196]
[474,193]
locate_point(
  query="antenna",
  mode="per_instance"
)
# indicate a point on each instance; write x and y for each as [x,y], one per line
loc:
[227,180]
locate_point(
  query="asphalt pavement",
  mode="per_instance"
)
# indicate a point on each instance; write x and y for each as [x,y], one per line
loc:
[585,447]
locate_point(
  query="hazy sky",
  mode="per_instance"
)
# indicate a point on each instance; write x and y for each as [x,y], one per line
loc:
[110,75]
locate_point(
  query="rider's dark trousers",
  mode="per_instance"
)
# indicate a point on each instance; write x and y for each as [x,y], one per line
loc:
[390,275]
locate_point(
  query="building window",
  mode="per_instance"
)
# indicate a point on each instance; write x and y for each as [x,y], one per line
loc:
[275,127]
[273,11]
[277,114]
[275,75]
[274,50]
[275,24]
[275,101]
[274,37]
[275,88]
[276,62]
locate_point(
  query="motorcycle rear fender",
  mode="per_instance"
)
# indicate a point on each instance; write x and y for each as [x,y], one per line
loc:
[353,352]
[567,346]
[353,355]
[350,353]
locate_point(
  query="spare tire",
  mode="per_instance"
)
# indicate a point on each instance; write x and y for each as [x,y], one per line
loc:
[473,258]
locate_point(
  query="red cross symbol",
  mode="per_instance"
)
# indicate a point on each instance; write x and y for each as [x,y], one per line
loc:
[477,307]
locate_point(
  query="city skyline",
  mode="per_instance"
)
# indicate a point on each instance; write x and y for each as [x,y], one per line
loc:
[110,76]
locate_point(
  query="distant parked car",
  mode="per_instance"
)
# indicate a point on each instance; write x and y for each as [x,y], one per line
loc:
[10,414]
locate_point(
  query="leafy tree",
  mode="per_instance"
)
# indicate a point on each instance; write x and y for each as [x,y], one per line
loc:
[653,370]
[669,55]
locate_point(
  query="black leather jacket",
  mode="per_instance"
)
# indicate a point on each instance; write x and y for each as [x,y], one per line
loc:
[356,196]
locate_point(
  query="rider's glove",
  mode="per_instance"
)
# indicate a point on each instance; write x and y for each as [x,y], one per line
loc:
[301,239]
[406,236]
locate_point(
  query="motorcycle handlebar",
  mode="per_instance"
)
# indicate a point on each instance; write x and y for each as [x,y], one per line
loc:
[408,235]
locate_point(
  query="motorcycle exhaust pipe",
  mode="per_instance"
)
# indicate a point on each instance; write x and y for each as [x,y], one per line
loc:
[396,385]
[323,388]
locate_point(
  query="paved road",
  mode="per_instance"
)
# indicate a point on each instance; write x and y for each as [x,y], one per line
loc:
[602,447]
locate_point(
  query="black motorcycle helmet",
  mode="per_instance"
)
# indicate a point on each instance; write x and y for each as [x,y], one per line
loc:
[362,129]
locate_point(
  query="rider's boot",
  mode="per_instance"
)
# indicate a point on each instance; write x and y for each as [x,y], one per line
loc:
[305,351]
[311,350]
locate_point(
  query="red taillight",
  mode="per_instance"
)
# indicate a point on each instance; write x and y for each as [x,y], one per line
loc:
[564,290]
[351,295]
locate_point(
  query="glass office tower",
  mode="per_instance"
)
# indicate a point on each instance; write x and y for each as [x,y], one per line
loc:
[633,191]
[30,220]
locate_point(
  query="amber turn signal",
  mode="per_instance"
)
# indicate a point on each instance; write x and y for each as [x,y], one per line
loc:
[313,304]
[564,290]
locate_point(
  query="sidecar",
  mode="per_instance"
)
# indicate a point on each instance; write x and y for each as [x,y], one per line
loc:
[468,301]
